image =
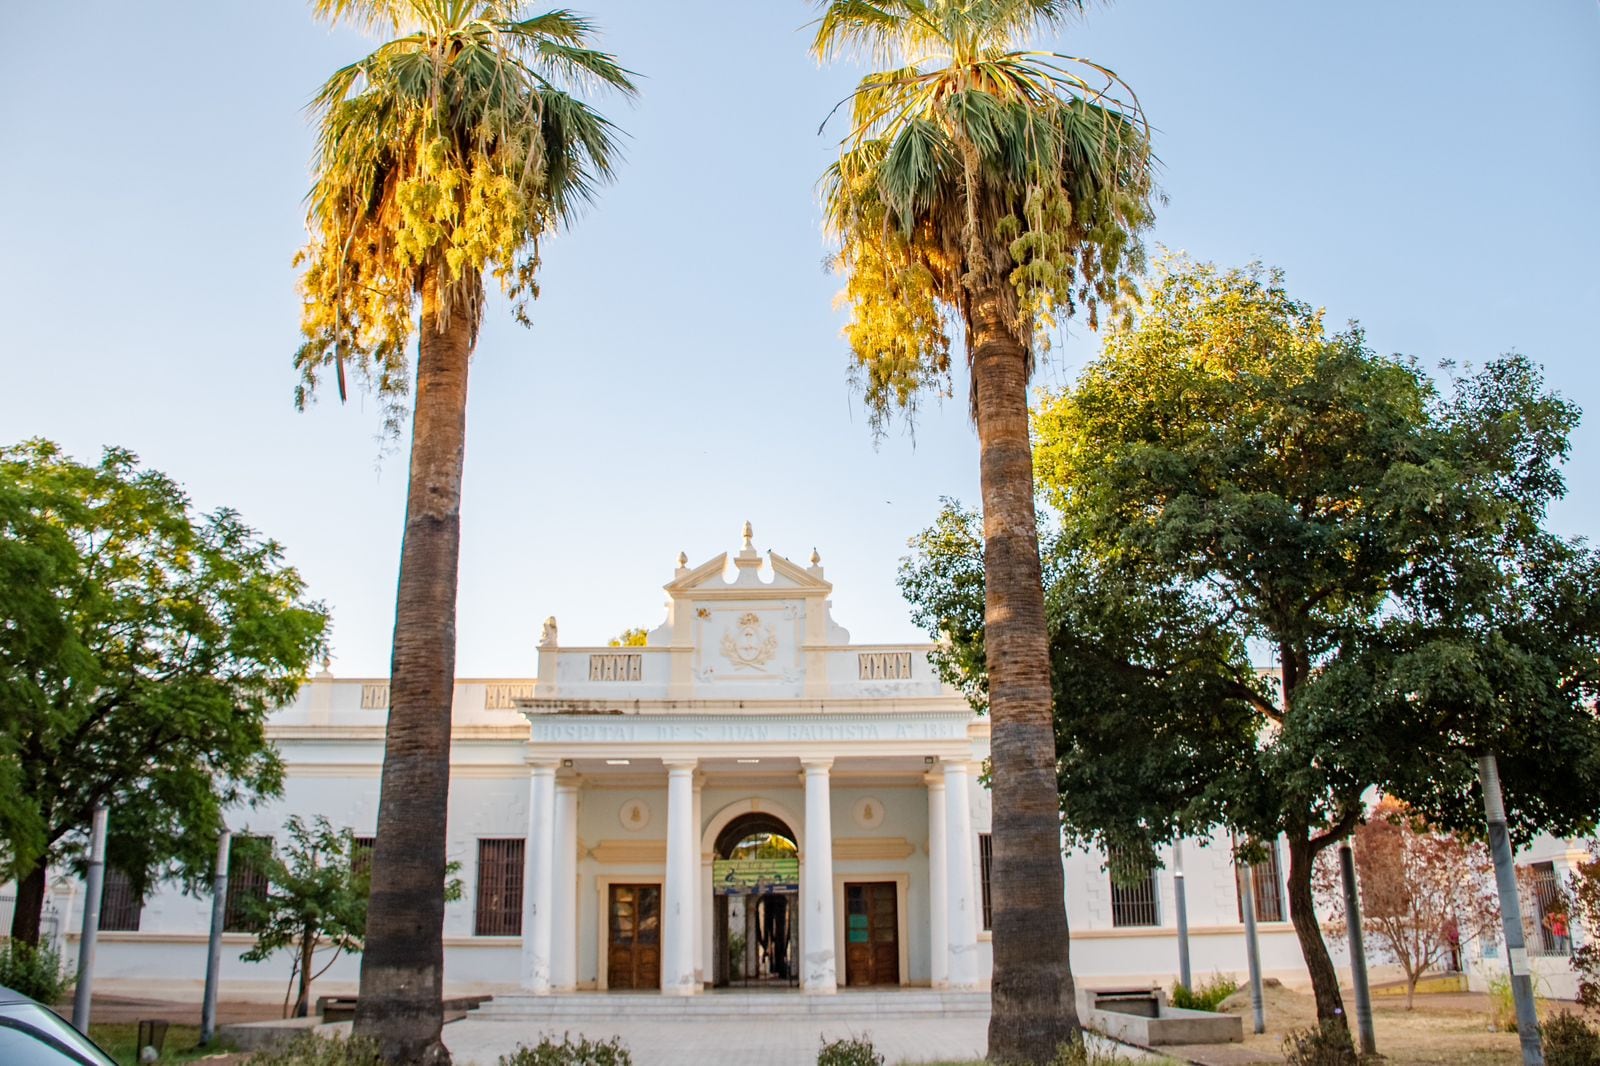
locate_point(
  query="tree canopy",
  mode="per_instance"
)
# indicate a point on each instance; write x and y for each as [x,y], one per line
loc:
[452,149]
[142,647]
[976,167]
[1250,482]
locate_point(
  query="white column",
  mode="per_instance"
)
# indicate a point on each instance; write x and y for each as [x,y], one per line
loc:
[702,892]
[938,880]
[564,907]
[961,900]
[539,885]
[683,868]
[818,968]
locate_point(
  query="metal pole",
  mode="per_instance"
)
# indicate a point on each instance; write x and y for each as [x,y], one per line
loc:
[1505,878]
[1358,950]
[1253,950]
[219,914]
[91,920]
[1184,976]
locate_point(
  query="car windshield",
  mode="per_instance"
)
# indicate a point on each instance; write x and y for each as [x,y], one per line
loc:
[48,1021]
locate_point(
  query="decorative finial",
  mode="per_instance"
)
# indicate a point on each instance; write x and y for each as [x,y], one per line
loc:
[327,661]
[547,636]
[683,560]
[816,558]
[749,537]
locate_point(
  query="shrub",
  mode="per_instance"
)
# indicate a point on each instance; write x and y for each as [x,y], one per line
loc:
[1079,1053]
[1326,1045]
[584,1052]
[850,1051]
[1206,996]
[1502,1005]
[1570,1041]
[309,1049]
[36,972]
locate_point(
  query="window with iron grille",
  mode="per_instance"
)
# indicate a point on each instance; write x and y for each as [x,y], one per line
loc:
[361,854]
[1269,885]
[1550,910]
[247,879]
[499,888]
[1133,890]
[986,863]
[119,905]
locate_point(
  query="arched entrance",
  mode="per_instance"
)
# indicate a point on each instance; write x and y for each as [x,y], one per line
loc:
[755,881]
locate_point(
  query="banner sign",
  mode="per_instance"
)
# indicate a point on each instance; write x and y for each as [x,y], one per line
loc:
[743,877]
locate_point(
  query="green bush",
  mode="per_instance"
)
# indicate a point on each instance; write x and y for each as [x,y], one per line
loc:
[1570,1041]
[312,1050]
[1206,996]
[36,972]
[1327,1045]
[584,1052]
[850,1051]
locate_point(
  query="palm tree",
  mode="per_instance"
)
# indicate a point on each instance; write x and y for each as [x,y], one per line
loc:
[989,190]
[449,152]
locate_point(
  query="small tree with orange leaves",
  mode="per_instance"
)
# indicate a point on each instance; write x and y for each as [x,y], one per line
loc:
[1422,892]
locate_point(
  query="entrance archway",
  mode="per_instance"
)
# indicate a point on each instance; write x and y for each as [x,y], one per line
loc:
[756,887]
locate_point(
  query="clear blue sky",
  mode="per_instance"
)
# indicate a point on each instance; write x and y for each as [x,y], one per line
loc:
[1427,166]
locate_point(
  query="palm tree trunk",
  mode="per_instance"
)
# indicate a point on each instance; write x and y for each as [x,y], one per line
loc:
[1033,1006]
[1308,930]
[402,968]
[29,911]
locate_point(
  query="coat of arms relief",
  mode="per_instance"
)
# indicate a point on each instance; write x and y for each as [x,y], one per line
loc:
[748,644]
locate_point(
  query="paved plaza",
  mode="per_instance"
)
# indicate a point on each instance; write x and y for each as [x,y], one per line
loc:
[733,1041]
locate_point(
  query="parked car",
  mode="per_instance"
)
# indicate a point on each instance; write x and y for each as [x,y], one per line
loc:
[32,1034]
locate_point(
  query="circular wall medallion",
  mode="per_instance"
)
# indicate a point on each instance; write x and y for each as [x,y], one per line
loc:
[869,812]
[634,814]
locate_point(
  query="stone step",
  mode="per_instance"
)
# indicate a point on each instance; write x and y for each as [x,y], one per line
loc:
[585,1005]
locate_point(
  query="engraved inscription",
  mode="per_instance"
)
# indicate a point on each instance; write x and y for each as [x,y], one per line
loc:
[374,697]
[884,665]
[504,696]
[616,666]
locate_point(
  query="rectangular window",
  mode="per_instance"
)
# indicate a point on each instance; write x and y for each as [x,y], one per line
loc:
[361,854]
[986,863]
[119,906]
[499,888]
[1133,890]
[247,879]
[1552,937]
[1269,886]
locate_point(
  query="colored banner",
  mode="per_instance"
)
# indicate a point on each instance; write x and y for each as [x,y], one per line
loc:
[743,877]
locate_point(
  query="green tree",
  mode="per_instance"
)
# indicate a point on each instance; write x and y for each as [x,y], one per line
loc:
[450,152]
[316,900]
[142,647]
[988,190]
[1382,543]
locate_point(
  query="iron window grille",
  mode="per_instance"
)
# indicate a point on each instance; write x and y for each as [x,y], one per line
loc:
[1134,891]
[1269,885]
[247,880]
[1549,910]
[499,910]
[119,905]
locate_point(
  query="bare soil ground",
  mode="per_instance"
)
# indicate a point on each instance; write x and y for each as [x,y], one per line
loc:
[1445,1029]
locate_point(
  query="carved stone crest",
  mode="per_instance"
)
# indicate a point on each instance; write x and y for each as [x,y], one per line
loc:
[748,644]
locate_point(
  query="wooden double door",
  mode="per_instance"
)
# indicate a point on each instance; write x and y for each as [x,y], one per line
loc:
[633,943]
[871,933]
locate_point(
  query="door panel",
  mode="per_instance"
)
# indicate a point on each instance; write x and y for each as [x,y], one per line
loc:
[872,933]
[633,947]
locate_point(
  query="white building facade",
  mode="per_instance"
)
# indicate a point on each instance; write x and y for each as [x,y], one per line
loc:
[748,799]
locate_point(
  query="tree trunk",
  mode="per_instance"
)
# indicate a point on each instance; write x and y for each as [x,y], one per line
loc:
[1411,990]
[1033,1005]
[402,969]
[1307,927]
[29,910]
[308,949]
